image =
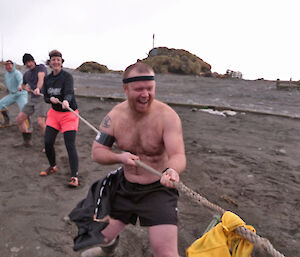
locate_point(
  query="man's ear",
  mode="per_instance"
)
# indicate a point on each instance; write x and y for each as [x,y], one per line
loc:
[125,88]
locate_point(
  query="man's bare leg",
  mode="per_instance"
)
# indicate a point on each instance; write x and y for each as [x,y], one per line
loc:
[164,241]
[42,123]
[110,233]
[23,124]
[113,229]
[21,121]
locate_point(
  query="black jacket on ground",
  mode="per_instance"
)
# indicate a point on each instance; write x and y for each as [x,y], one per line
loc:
[98,200]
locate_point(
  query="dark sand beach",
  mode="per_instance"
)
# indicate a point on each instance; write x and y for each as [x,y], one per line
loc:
[247,163]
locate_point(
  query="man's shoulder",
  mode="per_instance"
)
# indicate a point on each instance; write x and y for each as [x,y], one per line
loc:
[119,109]
[163,107]
[41,68]
[165,113]
[17,72]
[118,112]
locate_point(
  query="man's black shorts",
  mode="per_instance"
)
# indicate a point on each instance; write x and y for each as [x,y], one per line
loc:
[154,204]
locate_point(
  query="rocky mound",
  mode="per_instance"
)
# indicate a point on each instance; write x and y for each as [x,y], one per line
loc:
[93,67]
[178,61]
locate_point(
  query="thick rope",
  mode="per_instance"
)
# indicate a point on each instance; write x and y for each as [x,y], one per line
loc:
[84,120]
[71,110]
[258,241]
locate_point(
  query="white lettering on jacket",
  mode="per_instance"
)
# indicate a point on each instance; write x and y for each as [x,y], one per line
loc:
[54,91]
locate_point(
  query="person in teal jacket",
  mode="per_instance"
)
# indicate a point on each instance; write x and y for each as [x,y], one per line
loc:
[13,82]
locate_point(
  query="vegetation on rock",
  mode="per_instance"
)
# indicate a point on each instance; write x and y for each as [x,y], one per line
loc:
[92,67]
[178,61]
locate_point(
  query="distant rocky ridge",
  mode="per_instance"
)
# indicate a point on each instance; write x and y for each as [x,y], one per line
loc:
[93,67]
[176,61]
[162,60]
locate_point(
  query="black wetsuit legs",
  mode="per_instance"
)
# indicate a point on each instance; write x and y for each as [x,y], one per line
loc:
[50,136]
[69,137]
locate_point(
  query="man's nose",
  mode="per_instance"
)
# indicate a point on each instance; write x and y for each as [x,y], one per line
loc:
[145,93]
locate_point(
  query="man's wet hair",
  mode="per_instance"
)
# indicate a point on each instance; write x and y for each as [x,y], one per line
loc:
[139,67]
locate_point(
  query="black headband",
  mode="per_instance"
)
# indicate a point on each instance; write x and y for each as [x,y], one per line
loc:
[138,78]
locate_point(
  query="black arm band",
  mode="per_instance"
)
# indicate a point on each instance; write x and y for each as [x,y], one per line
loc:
[105,139]
[138,78]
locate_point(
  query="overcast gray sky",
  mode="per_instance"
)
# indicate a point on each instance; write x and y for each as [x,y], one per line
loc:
[260,38]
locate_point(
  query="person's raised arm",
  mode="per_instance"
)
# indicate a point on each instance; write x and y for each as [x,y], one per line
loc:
[101,149]
[41,76]
[25,86]
[46,94]
[19,79]
[174,145]
[68,90]
[39,85]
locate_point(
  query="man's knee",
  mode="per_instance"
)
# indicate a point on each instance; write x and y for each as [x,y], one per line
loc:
[21,117]
[41,121]
[165,252]
[162,248]
[163,240]
[113,229]
[4,103]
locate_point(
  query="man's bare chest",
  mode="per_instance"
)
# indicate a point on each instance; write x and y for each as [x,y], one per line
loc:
[140,138]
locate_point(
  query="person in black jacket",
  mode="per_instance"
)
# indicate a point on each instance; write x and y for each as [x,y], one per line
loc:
[59,92]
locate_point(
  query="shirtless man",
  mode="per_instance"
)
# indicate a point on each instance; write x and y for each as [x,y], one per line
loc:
[148,130]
